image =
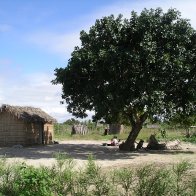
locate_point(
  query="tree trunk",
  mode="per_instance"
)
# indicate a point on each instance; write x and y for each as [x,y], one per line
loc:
[129,143]
[187,132]
[137,123]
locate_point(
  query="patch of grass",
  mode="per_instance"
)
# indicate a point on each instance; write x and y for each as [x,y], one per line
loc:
[191,139]
[63,132]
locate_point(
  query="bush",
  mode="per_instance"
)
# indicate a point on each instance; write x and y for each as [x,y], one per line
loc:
[63,175]
[152,181]
[124,180]
[8,175]
[33,181]
[183,183]
[191,139]
[64,179]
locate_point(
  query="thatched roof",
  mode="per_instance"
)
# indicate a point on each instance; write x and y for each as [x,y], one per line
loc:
[29,114]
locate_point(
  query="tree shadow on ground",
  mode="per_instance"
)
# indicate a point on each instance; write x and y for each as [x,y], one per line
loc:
[76,151]
[81,152]
[174,152]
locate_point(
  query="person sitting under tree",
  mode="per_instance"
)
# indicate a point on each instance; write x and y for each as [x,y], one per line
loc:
[140,144]
[114,141]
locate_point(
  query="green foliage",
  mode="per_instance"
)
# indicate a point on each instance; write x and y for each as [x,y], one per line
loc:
[185,122]
[171,133]
[152,181]
[63,131]
[64,175]
[163,132]
[71,121]
[181,183]
[128,70]
[91,169]
[61,128]
[7,177]
[125,178]
[33,181]
[64,161]
[91,177]
[193,186]
[128,67]
[64,179]
[191,139]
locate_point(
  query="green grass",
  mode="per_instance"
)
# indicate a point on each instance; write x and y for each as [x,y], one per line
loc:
[191,139]
[63,132]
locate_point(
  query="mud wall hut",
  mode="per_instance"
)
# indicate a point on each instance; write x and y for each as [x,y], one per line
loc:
[25,126]
[116,128]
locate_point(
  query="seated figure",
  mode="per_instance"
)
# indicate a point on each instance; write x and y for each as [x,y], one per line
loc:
[114,141]
[140,144]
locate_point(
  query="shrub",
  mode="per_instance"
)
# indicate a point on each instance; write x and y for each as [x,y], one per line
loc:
[152,181]
[64,179]
[8,175]
[63,175]
[92,181]
[124,179]
[183,183]
[33,181]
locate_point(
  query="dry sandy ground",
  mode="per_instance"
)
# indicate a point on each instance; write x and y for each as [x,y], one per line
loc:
[106,156]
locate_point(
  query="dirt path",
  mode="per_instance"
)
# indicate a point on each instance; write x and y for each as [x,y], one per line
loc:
[106,156]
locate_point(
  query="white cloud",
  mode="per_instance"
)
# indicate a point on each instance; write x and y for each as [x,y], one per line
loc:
[35,90]
[62,44]
[32,90]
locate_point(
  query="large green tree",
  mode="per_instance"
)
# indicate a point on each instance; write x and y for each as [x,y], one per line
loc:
[132,69]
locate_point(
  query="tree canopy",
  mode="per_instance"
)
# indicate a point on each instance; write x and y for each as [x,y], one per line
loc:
[71,121]
[131,69]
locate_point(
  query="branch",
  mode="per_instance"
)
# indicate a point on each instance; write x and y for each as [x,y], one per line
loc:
[143,117]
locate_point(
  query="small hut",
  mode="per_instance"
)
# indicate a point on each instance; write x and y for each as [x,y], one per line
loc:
[79,129]
[116,128]
[25,126]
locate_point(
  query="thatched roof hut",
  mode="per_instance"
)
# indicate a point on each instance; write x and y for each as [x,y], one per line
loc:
[25,126]
[28,114]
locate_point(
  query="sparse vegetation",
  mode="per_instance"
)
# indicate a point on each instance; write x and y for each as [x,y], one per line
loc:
[64,179]
[63,132]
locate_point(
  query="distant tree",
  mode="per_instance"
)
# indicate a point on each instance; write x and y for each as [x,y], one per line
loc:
[132,69]
[184,121]
[71,121]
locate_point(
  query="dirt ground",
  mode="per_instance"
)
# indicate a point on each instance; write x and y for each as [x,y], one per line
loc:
[106,156]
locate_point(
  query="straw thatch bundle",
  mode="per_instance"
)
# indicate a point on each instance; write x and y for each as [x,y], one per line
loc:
[28,114]
[79,129]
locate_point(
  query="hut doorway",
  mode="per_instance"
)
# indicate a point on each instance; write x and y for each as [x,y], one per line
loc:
[41,134]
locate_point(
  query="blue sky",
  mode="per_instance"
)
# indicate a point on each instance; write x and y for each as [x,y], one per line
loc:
[36,36]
